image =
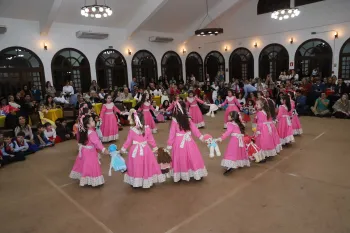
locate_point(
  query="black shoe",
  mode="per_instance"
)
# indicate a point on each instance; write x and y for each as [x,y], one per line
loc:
[229,170]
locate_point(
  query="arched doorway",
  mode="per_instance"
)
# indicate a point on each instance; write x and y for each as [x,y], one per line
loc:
[18,67]
[274,59]
[214,65]
[111,69]
[241,64]
[172,66]
[71,65]
[194,65]
[144,67]
[314,54]
[344,61]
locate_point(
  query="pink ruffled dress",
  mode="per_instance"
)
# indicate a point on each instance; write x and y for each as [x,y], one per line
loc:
[149,121]
[87,167]
[236,155]
[267,137]
[195,112]
[297,129]
[143,168]
[109,126]
[285,128]
[233,105]
[187,161]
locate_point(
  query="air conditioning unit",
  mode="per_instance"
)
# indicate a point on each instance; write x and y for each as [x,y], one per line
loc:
[160,39]
[3,29]
[91,35]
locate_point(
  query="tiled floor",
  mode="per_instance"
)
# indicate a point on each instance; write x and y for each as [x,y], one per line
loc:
[305,189]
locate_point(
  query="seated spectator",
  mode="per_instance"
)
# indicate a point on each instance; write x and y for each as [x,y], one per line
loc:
[43,119]
[102,95]
[50,90]
[138,95]
[248,88]
[23,126]
[9,155]
[300,102]
[25,91]
[36,94]
[40,139]
[321,106]
[62,130]
[126,95]
[219,101]
[94,86]
[163,107]
[49,103]
[50,133]
[317,89]
[23,144]
[28,106]
[158,114]
[68,89]
[94,98]
[342,107]
[12,102]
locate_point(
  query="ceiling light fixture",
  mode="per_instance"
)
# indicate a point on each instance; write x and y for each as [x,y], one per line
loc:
[96,11]
[288,13]
[208,31]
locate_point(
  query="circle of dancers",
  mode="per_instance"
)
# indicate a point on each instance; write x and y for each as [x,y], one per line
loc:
[181,160]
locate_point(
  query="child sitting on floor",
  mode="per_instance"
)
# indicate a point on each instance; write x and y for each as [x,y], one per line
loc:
[50,133]
[40,139]
[23,145]
[8,153]
[62,130]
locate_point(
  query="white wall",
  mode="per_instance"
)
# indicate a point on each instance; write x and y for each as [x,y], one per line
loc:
[242,27]
[26,34]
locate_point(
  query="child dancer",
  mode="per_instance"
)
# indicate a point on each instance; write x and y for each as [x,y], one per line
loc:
[194,110]
[285,129]
[109,128]
[143,169]
[297,130]
[145,108]
[233,105]
[236,155]
[89,170]
[266,134]
[187,160]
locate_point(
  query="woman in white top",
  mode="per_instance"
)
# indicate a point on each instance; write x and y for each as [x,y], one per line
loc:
[68,89]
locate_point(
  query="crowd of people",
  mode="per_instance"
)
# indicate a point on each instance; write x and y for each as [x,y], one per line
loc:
[272,107]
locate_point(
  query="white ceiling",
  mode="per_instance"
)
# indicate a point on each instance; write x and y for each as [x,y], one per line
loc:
[176,15]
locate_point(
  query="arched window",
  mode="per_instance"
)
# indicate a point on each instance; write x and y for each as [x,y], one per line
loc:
[144,67]
[111,69]
[241,64]
[344,60]
[314,54]
[172,66]
[214,65]
[194,65]
[71,65]
[19,67]
[273,60]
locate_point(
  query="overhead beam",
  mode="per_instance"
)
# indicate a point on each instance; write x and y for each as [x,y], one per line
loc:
[148,9]
[48,19]
[214,13]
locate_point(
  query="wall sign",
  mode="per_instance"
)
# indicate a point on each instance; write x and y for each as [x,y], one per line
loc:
[291,65]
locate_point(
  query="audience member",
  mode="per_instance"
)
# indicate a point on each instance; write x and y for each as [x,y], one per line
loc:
[342,107]
[321,106]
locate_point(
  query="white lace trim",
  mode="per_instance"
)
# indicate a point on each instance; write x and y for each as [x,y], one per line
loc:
[287,140]
[273,152]
[225,126]
[154,131]
[201,124]
[235,164]
[110,138]
[93,181]
[144,183]
[197,175]
[297,132]
[258,156]
[75,175]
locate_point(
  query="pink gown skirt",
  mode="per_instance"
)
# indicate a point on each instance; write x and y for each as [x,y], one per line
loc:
[160,118]
[143,170]
[77,168]
[268,140]
[236,155]
[150,121]
[197,116]
[297,130]
[285,130]
[109,128]
[187,161]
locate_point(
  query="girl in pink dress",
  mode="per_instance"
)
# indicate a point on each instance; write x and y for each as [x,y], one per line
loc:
[146,107]
[266,136]
[143,168]
[297,129]
[109,127]
[285,129]
[87,169]
[194,110]
[187,161]
[233,105]
[236,155]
